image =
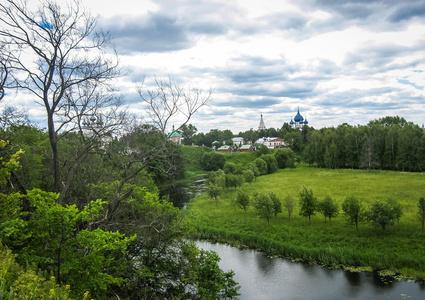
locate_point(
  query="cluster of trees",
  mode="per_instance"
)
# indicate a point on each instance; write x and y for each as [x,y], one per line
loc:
[380,214]
[265,161]
[79,202]
[390,143]
[226,174]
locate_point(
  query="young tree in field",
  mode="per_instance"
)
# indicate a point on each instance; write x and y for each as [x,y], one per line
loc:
[421,212]
[289,204]
[397,208]
[56,55]
[263,205]
[233,180]
[214,191]
[242,200]
[381,214]
[248,176]
[308,203]
[353,210]
[277,204]
[328,208]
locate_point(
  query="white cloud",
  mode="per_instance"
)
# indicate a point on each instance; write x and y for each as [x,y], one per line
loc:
[339,61]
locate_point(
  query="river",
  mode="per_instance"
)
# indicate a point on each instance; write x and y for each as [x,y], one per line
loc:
[262,277]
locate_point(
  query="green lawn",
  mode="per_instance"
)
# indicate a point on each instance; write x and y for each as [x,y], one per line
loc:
[400,249]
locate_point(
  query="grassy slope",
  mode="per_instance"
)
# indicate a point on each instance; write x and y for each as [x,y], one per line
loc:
[400,248]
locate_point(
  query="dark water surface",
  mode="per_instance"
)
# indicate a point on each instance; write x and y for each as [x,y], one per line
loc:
[261,277]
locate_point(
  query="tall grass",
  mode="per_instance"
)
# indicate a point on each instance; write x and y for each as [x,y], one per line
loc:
[401,248]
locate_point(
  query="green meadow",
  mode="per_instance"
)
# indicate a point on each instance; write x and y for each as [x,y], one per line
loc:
[399,250]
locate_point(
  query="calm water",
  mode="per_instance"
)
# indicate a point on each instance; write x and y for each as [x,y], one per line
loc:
[261,277]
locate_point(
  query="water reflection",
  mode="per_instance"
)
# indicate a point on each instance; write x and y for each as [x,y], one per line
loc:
[261,277]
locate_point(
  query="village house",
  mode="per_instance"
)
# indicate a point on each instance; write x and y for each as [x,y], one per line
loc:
[271,142]
[238,141]
[246,148]
[175,137]
[225,148]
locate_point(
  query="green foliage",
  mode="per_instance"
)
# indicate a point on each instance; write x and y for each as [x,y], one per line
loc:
[233,180]
[353,210]
[242,200]
[390,143]
[308,203]
[262,150]
[421,212]
[253,167]
[261,166]
[218,178]
[214,191]
[232,168]
[17,282]
[263,205]
[248,175]
[384,213]
[271,162]
[52,241]
[289,205]
[277,204]
[381,214]
[285,158]
[10,165]
[212,161]
[328,208]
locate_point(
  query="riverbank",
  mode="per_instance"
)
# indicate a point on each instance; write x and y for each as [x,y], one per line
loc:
[398,250]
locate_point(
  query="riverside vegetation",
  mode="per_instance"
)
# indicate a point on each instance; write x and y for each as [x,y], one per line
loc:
[397,250]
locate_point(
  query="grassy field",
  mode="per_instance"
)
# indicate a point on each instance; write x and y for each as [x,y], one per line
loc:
[400,249]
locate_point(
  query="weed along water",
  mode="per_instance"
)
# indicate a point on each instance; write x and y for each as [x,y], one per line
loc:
[262,277]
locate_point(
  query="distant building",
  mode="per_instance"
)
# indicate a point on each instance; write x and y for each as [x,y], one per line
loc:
[238,141]
[261,126]
[175,137]
[225,148]
[271,142]
[246,148]
[298,121]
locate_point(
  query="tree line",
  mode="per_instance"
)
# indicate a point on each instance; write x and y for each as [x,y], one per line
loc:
[389,143]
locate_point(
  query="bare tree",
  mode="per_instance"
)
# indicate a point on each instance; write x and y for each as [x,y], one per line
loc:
[69,74]
[167,101]
[4,72]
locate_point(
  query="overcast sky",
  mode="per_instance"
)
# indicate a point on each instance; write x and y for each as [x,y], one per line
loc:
[338,61]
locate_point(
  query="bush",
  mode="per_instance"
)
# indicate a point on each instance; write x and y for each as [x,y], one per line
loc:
[271,162]
[261,166]
[285,158]
[212,161]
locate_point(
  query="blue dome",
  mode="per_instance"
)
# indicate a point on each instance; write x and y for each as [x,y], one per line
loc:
[298,117]
[292,122]
[306,122]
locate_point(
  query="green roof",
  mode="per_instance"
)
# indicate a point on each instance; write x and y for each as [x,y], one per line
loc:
[246,146]
[223,148]
[174,134]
